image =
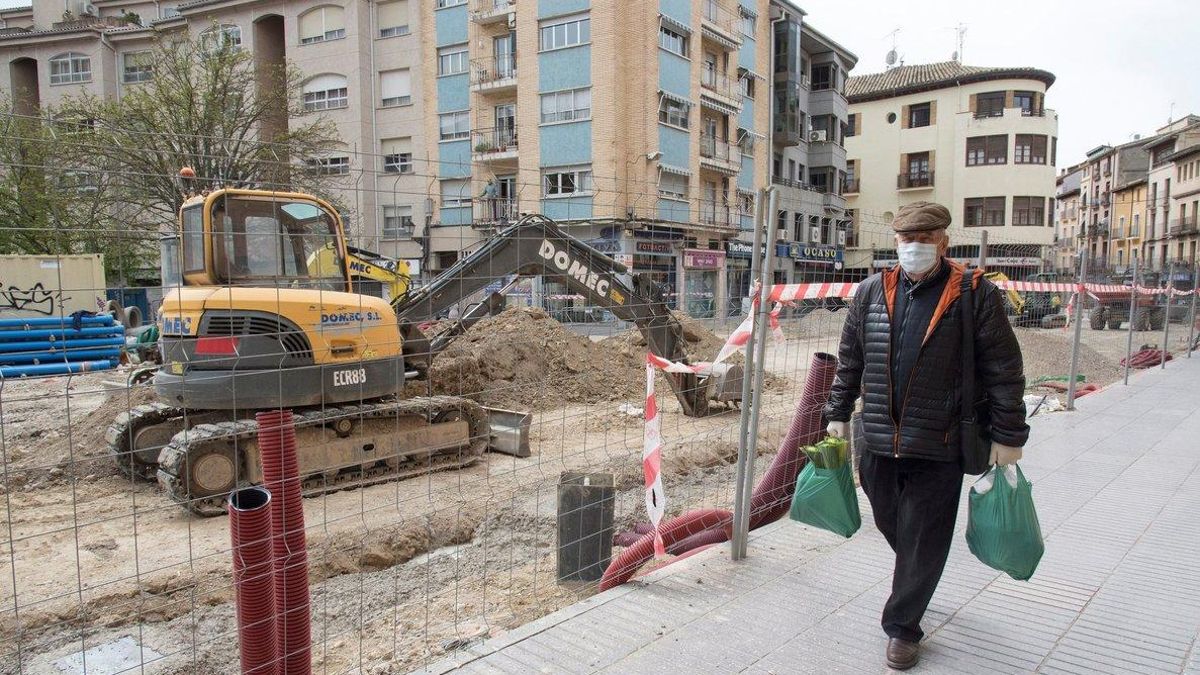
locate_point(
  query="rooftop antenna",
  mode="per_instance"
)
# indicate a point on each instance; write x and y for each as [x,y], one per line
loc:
[960,31]
[1171,115]
[893,56]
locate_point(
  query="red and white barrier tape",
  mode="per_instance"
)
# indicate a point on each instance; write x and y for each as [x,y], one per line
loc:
[652,458]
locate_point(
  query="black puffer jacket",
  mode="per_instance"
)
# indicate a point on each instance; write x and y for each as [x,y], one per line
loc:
[926,424]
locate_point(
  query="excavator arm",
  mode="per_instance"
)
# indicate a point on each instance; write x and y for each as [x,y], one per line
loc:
[536,245]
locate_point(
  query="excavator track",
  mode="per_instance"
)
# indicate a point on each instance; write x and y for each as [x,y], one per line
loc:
[204,452]
[122,436]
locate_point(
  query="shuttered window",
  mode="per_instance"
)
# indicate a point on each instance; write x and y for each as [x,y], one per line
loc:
[322,24]
[395,87]
[392,18]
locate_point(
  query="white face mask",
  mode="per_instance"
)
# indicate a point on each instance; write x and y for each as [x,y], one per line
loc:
[917,258]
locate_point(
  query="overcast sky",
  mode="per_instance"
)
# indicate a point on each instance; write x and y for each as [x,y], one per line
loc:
[1119,64]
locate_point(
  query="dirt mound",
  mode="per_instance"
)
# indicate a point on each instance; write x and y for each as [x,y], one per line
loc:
[522,357]
[701,344]
[1047,353]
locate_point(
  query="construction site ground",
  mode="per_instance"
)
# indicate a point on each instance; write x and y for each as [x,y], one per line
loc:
[403,572]
[1117,487]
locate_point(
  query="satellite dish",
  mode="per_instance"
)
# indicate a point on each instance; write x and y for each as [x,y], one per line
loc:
[891,57]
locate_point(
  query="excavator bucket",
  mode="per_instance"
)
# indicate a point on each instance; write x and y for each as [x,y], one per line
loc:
[509,431]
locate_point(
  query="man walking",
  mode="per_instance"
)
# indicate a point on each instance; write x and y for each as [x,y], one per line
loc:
[901,350]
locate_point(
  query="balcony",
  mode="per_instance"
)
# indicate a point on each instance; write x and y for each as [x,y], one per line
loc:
[494,145]
[722,89]
[914,180]
[787,129]
[850,186]
[720,155]
[1182,226]
[493,75]
[485,12]
[720,25]
[494,212]
[718,215]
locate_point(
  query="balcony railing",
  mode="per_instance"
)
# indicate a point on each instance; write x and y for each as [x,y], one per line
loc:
[720,83]
[723,153]
[494,73]
[850,186]
[712,213]
[491,211]
[981,114]
[491,11]
[494,144]
[798,184]
[1181,226]
[914,179]
[720,23]
[1031,112]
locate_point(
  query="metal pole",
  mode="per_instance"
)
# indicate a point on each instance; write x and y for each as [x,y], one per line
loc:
[983,249]
[1192,318]
[741,500]
[1080,294]
[1167,315]
[1133,300]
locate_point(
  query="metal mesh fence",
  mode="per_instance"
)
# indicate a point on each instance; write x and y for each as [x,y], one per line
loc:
[422,538]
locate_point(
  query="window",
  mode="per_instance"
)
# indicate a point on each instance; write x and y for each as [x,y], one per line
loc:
[747,24]
[322,24]
[987,150]
[1025,100]
[674,113]
[70,67]
[137,66]
[455,125]
[564,182]
[1053,151]
[983,211]
[823,75]
[919,115]
[397,222]
[450,3]
[672,41]
[330,166]
[325,92]
[395,87]
[392,18]
[193,238]
[567,106]
[673,185]
[1029,149]
[565,33]
[1027,211]
[990,104]
[851,125]
[221,37]
[452,60]
[397,155]
[456,193]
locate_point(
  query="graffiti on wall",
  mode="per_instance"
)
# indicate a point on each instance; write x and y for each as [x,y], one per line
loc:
[34,299]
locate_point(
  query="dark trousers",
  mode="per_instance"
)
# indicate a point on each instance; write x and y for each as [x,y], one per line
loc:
[915,502]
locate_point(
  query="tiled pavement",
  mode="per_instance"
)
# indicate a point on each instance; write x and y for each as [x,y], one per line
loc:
[1117,486]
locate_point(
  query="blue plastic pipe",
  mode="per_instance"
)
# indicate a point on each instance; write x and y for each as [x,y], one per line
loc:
[59,345]
[25,323]
[60,333]
[73,356]
[55,368]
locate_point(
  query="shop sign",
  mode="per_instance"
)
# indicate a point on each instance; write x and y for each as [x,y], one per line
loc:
[605,245]
[992,261]
[815,253]
[652,247]
[703,259]
[739,249]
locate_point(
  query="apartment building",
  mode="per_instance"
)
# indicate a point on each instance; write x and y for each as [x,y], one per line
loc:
[1173,199]
[808,162]
[978,140]
[644,125]
[1106,169]
[1067,225]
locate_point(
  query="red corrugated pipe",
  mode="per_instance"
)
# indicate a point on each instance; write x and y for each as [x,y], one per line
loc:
[253,579]
[281,475]
[771,499]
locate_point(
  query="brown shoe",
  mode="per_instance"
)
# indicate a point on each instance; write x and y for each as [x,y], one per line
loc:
[902,654]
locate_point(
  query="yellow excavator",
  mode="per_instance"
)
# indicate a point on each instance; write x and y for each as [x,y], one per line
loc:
[263,314]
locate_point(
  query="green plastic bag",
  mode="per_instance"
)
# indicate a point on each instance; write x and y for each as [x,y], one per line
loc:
[1002,525]
[826,498]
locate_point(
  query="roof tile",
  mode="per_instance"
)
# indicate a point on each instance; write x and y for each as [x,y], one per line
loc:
[923,77]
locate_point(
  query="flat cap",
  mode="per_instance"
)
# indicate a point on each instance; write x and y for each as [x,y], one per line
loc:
[921,217]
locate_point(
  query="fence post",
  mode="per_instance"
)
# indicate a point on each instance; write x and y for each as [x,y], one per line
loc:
[983,249]
[1192,316]
[1166,348]
[755,350]
[1133,300]
[1080,295]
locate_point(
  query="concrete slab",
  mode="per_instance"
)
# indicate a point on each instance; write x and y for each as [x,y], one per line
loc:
[1117,485]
